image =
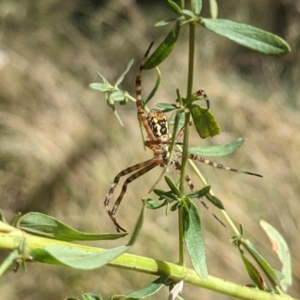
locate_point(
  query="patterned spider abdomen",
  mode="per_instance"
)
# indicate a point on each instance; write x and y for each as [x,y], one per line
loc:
[158,123]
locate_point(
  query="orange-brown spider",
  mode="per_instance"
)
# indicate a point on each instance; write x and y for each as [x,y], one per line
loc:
[159,140]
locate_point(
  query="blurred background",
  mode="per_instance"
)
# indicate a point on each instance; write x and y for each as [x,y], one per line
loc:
[61,145]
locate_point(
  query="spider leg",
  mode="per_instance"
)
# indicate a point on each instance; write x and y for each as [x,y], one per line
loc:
[123,173]
[219,166]
[180,132]
[201,93]
[169,160]
[142,168]
[139,102]
[192,188]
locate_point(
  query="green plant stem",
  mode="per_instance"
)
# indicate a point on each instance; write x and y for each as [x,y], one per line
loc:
[181,238]
[36,247]
[230,222]
[187,118]
[191,59]
[186,139]
[187,114]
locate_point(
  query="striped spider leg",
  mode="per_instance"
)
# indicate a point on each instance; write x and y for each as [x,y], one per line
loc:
[219,166]
[159,141]
[141,169]
[192,188]
[214,165]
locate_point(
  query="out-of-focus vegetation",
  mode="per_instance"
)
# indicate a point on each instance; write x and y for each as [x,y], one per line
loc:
[61,146]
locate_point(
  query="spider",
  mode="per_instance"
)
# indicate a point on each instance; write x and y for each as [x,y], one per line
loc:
[157,130]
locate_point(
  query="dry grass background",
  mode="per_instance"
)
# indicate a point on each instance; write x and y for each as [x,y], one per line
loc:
[60,145]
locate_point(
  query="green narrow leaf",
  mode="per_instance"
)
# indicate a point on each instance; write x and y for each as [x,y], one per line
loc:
[179,97]
[241,230]
[175,7]
[9,261]
[103,78]
[280,247]
[177,122]
[137,227]
[189,13]
[205,123]
[105,81]
[173,186]
[220,150]
[253,273]
[165,195]
[215,201]
[102,87]
[117,96]
[154,204]
[248,36]
[262,262]
[43,225]
[147,291]
[120,79]
[166,107]
[175,206]
[117,115]
[194,239]
[82,259]
[164,49]
[165,22]
[91,296]
[197,6]
[213,6]
[155,88]
[199,193]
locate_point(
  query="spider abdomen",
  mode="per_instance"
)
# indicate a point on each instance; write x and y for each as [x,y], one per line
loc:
[158,123]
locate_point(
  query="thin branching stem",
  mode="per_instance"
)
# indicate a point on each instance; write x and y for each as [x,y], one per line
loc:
[38,247]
